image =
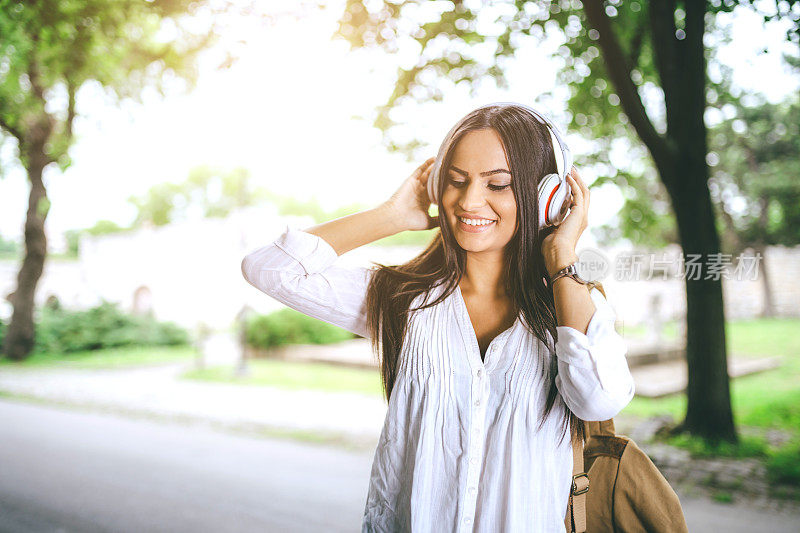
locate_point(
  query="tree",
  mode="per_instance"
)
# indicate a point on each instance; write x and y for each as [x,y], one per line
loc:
[614,53]
[753,184]
[48,50]
[753,147]
[210,191]
[755,180]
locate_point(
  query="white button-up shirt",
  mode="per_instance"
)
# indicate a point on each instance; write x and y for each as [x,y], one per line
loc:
[459,450]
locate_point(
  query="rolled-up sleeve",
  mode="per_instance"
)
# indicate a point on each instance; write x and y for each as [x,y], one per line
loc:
[300,270]
[593,375]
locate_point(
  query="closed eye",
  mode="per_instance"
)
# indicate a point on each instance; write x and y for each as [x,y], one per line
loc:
[458,184]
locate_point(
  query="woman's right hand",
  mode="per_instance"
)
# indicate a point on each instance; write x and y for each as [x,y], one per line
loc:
[410,202]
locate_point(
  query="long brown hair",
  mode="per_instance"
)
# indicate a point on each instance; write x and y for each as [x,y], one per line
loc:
[393,288]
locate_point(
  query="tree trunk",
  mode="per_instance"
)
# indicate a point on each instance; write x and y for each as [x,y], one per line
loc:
[708,411]
[20,335]
[760,248]
[768,311]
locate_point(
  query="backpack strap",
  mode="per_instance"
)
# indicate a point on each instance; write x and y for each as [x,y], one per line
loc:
[576,508]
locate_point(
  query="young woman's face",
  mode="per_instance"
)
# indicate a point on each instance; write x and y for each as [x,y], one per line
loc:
[478,184]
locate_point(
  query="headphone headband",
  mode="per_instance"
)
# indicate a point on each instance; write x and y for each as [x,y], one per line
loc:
[566,153]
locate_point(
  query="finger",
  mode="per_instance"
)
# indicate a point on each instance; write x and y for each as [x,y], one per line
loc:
[426,164]
[427,168]
[585,190]
[577,192]
[582,203]
[567,206]
[579,180]
[425,176]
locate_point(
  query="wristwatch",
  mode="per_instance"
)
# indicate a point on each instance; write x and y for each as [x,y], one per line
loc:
[570,271]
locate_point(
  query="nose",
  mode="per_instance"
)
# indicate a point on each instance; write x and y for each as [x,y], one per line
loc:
[473,196]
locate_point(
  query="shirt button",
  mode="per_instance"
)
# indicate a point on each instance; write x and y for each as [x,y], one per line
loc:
[478,402]
[468,520]
[473,490]
[474,460]
[480,372]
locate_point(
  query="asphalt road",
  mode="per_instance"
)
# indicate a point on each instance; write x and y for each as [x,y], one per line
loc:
[63,470]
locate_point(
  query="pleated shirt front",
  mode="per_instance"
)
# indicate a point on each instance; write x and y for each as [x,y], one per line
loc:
[460,449]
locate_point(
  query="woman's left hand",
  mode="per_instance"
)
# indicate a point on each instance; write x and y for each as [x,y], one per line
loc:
[558,248]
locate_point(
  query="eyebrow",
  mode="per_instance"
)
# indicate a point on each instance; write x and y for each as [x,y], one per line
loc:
[483,174]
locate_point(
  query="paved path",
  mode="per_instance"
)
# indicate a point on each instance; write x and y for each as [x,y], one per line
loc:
[156,391]
[71,471]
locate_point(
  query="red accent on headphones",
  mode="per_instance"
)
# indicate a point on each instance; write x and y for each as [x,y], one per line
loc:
[547,205]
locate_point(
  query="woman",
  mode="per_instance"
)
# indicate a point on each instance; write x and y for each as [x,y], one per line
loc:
[484,361]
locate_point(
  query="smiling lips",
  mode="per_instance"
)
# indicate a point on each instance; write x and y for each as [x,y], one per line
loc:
[474,224]
[475,221]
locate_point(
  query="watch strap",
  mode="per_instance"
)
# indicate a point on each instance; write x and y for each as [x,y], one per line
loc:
[569,271]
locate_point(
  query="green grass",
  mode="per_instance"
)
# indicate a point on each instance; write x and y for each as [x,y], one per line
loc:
[766,400]
[296,375]
[640,331]
[764,337]
[748,446]
[723,496]
[769,399]
[783,465]
[109,358]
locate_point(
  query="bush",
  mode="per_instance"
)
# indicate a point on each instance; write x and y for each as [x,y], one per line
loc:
[783,465]
[104,326]
[748,446]
[288,326]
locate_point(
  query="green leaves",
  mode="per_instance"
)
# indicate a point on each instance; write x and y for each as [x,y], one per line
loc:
[452,35]
[46,47]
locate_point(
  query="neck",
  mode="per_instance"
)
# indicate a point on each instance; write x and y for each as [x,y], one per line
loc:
[484,275]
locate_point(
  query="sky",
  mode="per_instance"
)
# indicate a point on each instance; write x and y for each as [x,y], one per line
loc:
[289,111]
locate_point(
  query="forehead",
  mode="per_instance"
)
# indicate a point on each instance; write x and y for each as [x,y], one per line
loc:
[480,150]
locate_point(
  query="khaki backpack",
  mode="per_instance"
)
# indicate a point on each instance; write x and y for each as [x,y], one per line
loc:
[627,493]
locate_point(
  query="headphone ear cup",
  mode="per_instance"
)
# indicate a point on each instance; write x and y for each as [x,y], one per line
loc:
[433,183]
[558,204]
[549,196]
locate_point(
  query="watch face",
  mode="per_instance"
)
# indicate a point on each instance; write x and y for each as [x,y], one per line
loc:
[592,265]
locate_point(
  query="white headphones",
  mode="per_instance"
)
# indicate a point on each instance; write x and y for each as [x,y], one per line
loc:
[554,190]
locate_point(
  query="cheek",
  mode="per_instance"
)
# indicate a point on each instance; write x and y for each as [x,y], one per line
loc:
[448,200]
[507,208]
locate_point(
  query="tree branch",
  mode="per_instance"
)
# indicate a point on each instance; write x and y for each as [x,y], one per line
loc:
[70,110]
[620,74]
[11,129]
[636,46]
[665,56]
[692,64]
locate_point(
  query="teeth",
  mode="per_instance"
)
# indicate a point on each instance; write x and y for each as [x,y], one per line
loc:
[475,222]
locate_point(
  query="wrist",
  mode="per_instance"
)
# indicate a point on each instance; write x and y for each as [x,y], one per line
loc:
[392,217]
[559,260]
